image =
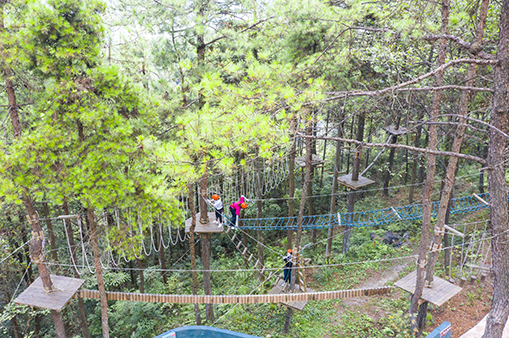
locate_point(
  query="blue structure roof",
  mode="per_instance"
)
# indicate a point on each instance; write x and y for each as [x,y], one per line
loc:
[203,332]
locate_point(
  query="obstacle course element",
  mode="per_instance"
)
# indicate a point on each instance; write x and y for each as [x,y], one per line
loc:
[296,304]
[65,289]
[237,299]
[349,182]
[208,227]
[364,218]
[438,294]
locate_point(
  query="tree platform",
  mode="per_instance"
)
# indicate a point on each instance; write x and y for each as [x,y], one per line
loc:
[315,160]
[347,181]
[209,227]
[296,305]
[396,132]
[35,295]
[440,293]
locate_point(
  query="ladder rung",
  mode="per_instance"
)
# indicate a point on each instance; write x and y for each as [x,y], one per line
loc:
[257,262]
[239,244]
[244,252]
[250,258]
[233,238]
[228,229]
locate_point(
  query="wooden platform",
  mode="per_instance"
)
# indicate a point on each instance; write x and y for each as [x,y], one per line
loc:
[393,131]
[297,304]
[440,293]
[346,180]
[315,160]
[65,288]
[205,228]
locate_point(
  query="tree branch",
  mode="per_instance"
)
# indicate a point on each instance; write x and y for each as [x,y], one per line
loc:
[400,146]
[340,95]
[242,31]
[474,48]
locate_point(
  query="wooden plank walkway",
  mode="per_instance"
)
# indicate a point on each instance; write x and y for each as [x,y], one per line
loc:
[237,299]
[297,304]
[35,295]
[440,293]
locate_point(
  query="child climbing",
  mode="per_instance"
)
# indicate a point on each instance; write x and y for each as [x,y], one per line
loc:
[288,267]
[218,208]
[235,210]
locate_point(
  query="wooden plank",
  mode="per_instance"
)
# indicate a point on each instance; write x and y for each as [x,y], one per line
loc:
[35,295]
[209,227]
[441,291]
[347,181]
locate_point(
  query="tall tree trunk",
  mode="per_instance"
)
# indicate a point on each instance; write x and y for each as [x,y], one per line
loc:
[72,247]
[330,231]
[455,148]
[49,224]
[205,248]
[259,215]
[291,182]
[139,264]
[300,219]
[37,257]
[415,162]
[430,177]
[98,272]
[355,177]
[162,259]
[36,244]
[392,152]
[190,194]
[499,312]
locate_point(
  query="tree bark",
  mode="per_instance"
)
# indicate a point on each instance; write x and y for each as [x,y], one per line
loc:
[415,162]
[499,312]
[355,176]
[430,177]
[98,272]
[330,231]
[139,263]
[259,234]
[392,152]
[205,248]
[190,195]
[72,248]
[162,259]
[291,183]
[453,161]
[300,219]
[49,224]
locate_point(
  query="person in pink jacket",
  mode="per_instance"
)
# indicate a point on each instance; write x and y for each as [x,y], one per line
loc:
[235,210]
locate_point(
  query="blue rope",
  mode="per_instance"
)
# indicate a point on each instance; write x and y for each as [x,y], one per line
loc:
[362,218]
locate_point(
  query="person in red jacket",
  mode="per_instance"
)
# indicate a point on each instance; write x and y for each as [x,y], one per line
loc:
[235,210]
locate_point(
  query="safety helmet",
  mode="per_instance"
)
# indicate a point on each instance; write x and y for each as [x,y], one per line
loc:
[215,197]
[243,205]
[289,251]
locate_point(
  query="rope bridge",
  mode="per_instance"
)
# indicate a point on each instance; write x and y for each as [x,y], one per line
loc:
[236,299]
[364,218]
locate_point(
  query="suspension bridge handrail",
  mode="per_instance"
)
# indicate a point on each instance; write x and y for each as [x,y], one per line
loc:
[364,218]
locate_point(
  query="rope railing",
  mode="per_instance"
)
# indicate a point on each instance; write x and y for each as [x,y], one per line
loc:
[363,218]
[236,299]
